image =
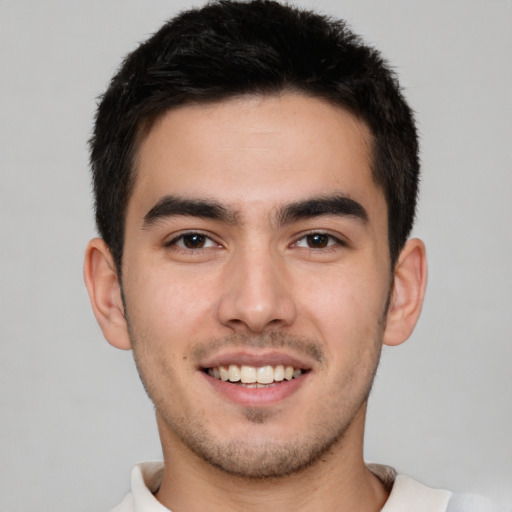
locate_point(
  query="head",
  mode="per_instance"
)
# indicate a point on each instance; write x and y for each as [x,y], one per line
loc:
[229,49]
[255,171]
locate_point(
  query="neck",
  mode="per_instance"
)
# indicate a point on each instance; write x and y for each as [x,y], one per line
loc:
[338,481]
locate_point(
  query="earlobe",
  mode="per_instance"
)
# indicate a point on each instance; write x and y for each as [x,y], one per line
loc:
[102,283]
[409,284]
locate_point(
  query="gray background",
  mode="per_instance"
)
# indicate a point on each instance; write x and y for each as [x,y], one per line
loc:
[74,416]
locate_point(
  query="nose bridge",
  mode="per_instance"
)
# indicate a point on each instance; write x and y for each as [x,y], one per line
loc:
[256,295]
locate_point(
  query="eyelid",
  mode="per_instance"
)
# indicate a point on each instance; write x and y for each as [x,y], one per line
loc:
[338,240]
[173,242]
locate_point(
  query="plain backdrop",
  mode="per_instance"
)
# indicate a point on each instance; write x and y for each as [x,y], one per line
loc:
[74,417]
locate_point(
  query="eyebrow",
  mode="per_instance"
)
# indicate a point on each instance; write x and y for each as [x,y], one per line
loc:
[173,206]
[338,205]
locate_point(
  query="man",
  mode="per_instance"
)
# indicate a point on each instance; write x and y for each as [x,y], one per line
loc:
[255,172]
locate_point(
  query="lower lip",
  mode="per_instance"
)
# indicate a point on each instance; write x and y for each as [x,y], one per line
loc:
[256,396]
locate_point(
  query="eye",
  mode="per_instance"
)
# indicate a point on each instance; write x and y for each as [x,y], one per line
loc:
[192,241]
[317,241]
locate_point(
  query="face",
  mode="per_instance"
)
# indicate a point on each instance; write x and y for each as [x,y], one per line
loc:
[256,279]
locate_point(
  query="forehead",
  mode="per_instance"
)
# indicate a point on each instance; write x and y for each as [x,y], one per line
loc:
[255,151]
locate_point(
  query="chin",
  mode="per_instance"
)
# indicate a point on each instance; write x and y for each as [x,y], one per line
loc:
[263,455]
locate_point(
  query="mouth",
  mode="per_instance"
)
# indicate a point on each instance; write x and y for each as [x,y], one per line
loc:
[255,376]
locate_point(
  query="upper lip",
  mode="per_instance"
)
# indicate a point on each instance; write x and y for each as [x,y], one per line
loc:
[256,359]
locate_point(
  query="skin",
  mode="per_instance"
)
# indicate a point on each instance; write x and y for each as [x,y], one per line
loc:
[256,286]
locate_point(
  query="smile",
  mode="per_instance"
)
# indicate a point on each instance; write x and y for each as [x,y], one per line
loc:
[254,376]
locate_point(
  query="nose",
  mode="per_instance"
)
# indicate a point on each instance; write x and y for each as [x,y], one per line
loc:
[257,293]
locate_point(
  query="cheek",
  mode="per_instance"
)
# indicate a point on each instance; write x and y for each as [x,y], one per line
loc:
[169,304]
[345,305]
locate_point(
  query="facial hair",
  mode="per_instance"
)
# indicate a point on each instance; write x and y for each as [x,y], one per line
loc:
[266,457]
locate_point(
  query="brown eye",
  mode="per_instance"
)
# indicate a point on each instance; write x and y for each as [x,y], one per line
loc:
[317,241]
[194,241]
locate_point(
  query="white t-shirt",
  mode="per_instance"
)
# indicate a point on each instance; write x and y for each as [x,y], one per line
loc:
[407,495]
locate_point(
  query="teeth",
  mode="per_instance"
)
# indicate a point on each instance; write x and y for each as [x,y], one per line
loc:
[265,375]
[248,374]
[255,376]
[234,373]
[279,373]
[223,372]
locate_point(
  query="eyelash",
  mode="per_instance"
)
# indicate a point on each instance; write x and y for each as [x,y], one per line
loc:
[332,241]
[182,236]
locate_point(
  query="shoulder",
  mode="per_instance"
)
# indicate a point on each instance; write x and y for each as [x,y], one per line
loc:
[407,494]
[462,502]
[145,481]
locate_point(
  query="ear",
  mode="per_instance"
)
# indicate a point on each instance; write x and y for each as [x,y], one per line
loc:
[409,283]
[102,283]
